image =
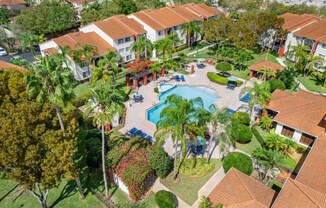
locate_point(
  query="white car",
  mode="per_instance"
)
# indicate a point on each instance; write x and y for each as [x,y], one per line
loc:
[3,52]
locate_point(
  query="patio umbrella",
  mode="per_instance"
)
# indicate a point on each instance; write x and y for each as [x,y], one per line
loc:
[232,79]
[201,60]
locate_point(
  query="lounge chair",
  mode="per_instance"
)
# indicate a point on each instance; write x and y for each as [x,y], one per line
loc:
[183,78]
[193,149]
[246,98]
[177,78]
[137,132]
[149,137]
[200,149]
[143,134]
[141,98]
[132,130]
[230,112]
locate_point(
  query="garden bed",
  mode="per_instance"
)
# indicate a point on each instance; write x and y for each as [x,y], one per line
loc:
[219,79]
[195,167]
[188,187]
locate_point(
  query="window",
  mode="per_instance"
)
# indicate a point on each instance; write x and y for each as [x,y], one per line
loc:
[121,50]
[287,131]
[307,139]
[128,57]
[127,49]
[120,41]
[321,55]
[159,33]
[127,39]
[323,45]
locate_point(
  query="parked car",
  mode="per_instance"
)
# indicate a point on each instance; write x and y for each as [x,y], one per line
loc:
[3,52]
[200,66]
[224,74]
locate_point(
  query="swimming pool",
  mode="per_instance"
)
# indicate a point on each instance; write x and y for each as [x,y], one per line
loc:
[208,95]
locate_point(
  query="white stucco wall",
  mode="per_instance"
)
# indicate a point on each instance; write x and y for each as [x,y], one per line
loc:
[120,184]
[150,32]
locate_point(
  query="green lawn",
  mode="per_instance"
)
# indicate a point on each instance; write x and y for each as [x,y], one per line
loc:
[243,74]
[187,188]
[65,196]
[265,56]
[250,147]
[311,84]
[289,162]
[122,200]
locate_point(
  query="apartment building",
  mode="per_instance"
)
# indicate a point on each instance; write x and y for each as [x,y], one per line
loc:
[119,32]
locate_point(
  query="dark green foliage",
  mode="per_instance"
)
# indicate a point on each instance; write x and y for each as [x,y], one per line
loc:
[164,199]
[219,79]
[258,136]
[239,161]
[276,84]
[156,90]
[287,77]
[160,162]
[240,132]
[81,100]
[223,66]
[228,50]
[49,17]
[126,6]
[242,117]
[92,139]
[4,16]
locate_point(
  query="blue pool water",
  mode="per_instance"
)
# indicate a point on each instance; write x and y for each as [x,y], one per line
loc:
[208,95]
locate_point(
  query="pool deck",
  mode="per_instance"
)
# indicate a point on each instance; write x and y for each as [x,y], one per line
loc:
[137,112]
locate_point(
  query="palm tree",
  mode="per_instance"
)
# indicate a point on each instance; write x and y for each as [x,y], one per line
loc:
[107,102]
[155,68]
[274,142]
[52,82]
[289,145]
[177,121]
[175,40]
[29,41]
[164,46]
[86,53]
[107,69]
[269,158]
[267,72]
[191,30]
[260,95]
[312,61]
[142,45]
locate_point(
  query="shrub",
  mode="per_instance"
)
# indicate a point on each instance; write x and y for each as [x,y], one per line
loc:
[126,90]
[81,100]
[219,79]
[156,90]
[287,77]
[164,199]
[195,166]
[239,161]
[223,66]
[266,122]
[276,84]
[242,117]
[240,132]
[258,136]
[160,162]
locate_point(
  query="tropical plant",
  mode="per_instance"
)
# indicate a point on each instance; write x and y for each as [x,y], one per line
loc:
[266,122]
[276,84]
[274,142]
[164,46]
[260,95]
[85,53]
[142,46]
[299,54]
[107,103]
[174,38]
[289,146]
[160,162]
[268,159]
[223,66]
[50,81]
[178,121]
[267,72]
[312,62]
[106,69]
[242,117]
[155,68]
[287,77]
[191,30]
[239,161]
[29,41]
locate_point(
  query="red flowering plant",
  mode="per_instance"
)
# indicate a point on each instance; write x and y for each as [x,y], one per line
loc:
[130,163]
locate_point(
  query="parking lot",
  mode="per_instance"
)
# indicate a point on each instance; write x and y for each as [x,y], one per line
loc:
[27,55]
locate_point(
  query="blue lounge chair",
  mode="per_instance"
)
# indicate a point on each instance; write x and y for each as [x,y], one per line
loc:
[200,149]
[132,130]
[183,78]
[141,98]
[149,137]
[246,98]
[230,112]
[193,149]
[137,132]
[143,134]
[178,78]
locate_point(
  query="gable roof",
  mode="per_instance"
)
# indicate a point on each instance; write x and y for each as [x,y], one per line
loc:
[12,2]
[120,26]
[314,168]
[77,39]
[203,10]
[6,65]
[294,21]
[266,64]
[239,190]
[298,195]
[314,31]
[303,111]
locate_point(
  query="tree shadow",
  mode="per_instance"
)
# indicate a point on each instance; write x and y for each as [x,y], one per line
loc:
[68,190]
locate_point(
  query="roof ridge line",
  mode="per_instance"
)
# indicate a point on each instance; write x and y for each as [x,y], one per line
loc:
[153,19]
[306,193]
[252,197]
[169,7]
[125,25]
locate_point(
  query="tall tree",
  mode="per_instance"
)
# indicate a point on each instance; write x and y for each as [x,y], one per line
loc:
[142,46]
[50,81]
[191,30]
[267,72]
[29,41]
[107,102]
[164,46]
[261,94]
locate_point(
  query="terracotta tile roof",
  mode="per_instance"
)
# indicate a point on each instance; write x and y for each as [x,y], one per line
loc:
[314,31]
[314,168]
[303,111]
[239,190]
[150,21]
[203,10]
[80,1]
[50,51]
[298,195]
[185,13]
[6,65]
[77,39]
[11,2]
[266,64]
[294,21]
[120,26]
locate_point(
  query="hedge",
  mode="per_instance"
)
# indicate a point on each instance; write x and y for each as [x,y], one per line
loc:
[160,162]
[259,138]
[219,79]
[239,161]
[164,199]
[240,132]
[242,117]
